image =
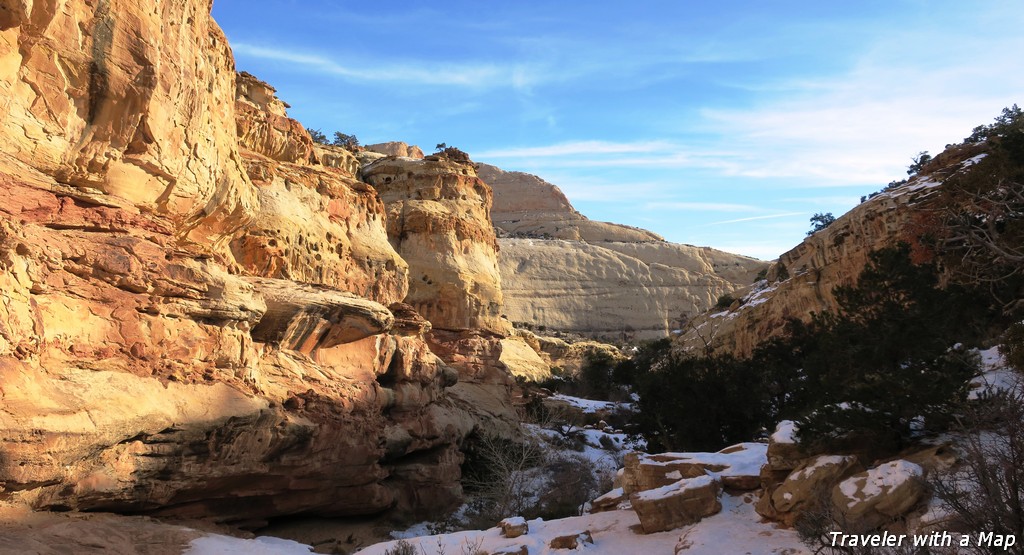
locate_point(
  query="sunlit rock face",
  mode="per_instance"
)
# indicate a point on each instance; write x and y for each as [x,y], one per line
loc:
[128,99]
[564,272]
[438,218]
[198,311]
[801,281]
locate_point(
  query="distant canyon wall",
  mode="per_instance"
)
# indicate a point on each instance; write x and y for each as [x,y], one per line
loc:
[562,271]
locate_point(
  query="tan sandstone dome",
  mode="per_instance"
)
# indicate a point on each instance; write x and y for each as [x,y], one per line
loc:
[562,271]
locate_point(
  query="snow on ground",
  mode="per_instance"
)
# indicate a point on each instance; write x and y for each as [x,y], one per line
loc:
[742,459]
[591,406]
[216,544]
[736,530]
[996,375]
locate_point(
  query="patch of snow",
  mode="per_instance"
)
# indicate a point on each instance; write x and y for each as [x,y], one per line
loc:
[996,375]
[742,459]
[822,461]
[785,432]
[674,475]
[676,488]
[216,544]
[879,480]
[590,405]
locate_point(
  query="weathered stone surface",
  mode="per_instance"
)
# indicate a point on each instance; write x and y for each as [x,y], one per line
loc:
[131,100]
[514,527]
[132,378]
[305,318]
[609,501]
[264,127]
[522,361]
[683,502]
[806,487]
[336,157]
[879,495]
[737,467]
[438,221]
[571,541]
[313,223]
[833,256]
[565,272]
[527,206]
[396,148]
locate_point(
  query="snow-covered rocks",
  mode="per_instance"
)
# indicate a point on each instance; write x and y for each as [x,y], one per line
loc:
[738,467]
[802,488]
[571,540]
[609,501]
[669,490]
[880,495]
[683,502]
[513,527]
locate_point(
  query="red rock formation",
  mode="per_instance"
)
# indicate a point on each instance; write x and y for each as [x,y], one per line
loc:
[156,353]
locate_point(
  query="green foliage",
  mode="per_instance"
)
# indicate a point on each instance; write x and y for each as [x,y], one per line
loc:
[343,140]
[1009,122]
[821,221]
[920,161]
[883,362]
[402,547]
[880,369]
[1012,346]
[725,301]
[698,403]
[317,136]
[782,273]
[596,375]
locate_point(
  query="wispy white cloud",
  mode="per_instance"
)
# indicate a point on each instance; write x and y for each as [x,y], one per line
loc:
[754,218]
[577,149]
[702,206]
[461,75]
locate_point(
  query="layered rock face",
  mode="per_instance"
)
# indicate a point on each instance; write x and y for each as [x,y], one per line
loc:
[438,221]
[802,280]
[565,272]
[130,100]
[158,353]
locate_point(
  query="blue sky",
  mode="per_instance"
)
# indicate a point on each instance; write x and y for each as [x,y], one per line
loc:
[726,124]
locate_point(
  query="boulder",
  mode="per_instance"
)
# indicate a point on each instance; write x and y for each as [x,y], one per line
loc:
[684,502]
[513,527]
[571,541]
[879,495]
[806,487]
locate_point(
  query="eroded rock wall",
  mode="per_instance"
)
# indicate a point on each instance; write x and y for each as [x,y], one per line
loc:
[438,218]
[131,100]
[802,280]
[194,323]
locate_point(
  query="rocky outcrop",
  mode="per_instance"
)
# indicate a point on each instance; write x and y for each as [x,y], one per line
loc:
[129,101]
[880,495]
[673,506]
[565,272]
[396,148]
[527,206]
[438,221]
[802,280]
[264,127]
[615,289]
[195,323]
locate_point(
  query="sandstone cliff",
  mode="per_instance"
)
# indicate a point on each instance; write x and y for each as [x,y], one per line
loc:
[200,308]
[562,271]
[802,279]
